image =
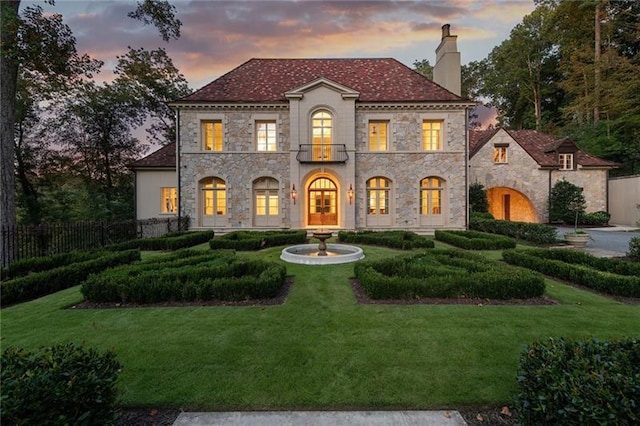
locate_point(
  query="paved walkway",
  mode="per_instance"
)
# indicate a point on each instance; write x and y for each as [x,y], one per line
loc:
[323,418]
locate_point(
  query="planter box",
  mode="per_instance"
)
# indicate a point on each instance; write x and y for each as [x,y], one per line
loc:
[576,240]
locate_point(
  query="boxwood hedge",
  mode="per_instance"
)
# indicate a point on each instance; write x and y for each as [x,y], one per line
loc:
[446,274]
[23,267]
[169,242]
[534,232]
[256,240]
[580,383]
[216,275]
[609,276]
[38,284]
[404,240]
[475,240]
[61,385]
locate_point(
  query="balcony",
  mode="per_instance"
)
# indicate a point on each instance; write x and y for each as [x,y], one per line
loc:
[333,153]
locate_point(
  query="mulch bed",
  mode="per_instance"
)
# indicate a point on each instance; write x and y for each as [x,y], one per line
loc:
[363,298]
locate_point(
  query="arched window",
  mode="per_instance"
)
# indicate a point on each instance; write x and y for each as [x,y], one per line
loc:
[214,197]
[265,196]
[431,196]
[322,135]
[378,196]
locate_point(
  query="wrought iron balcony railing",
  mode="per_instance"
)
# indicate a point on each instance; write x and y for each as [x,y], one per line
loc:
[328,153]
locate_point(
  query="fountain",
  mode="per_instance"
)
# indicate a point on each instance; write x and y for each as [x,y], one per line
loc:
[322,254]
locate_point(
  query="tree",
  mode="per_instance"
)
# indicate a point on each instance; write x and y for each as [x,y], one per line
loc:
[478,201]
[151,79]
[566,202]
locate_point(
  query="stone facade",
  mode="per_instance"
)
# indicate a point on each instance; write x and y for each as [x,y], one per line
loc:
[405,164]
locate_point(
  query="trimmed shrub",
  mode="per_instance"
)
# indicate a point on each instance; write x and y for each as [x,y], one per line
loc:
[403,240]
[534,232]
[63,384]
[634,249]
[600,218]
[566,201]
[447,274]
[481,215]
[23,267]
[169,242]
[216,275]
[475,240]
[256,240]
[42,283]
[568,265]
[580,383]
[478,201]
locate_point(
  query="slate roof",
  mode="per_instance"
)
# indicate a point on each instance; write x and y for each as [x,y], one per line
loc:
[267,80]
[163,158]
[540,146]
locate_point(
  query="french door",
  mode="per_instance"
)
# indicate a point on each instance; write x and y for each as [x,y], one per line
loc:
[323,202]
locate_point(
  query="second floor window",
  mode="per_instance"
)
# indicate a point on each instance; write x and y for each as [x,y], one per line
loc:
[266,135]
[378,136]
[212,135]
[432,135]
[322,135]
[500,154]
[566,161]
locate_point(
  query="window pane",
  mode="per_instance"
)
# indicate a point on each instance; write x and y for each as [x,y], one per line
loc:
[377,136]
[266,135]
[212,135]
[273,205]
[169,198]
[261,203]
[432,135]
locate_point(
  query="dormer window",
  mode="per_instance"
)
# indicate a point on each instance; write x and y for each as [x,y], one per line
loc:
[566,161]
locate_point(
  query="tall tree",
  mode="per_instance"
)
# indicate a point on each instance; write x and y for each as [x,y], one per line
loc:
[151,78]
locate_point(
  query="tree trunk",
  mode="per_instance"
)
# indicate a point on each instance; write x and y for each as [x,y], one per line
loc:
[596,63]
[8,81]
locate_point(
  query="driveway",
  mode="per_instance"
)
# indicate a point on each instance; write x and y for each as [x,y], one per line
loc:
[606,242]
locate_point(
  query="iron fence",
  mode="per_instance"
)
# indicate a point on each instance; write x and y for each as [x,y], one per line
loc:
[24,241]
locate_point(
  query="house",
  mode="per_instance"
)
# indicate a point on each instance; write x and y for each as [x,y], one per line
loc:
[518,168]
[307,143]
[155,186]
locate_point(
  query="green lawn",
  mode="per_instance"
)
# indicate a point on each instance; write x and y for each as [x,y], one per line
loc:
[320,349]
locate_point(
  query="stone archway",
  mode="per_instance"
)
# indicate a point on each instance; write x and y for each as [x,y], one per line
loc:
[510,204]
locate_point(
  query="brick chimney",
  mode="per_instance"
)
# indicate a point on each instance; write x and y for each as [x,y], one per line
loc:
[446,72]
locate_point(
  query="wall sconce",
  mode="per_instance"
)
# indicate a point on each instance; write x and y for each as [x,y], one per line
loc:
[294,193]
[350,193]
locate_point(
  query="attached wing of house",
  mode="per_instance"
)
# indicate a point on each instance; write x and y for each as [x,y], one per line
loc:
[518,168]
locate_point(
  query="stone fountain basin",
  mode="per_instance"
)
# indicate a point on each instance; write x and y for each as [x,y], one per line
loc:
[307,254]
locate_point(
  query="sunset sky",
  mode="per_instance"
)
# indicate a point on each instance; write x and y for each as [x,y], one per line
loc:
[220,35]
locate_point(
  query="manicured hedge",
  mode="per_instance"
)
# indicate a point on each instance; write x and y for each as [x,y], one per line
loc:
[610,276]
[59,385]
[217,276]
[535,232]
[579,383]
[447,274]
[475,240]
[23,267]
[256,240]
[403,240]
[169,242]
[42,283]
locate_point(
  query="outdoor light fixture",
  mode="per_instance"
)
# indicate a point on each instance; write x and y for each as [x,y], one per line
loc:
[350,193]
[294,193]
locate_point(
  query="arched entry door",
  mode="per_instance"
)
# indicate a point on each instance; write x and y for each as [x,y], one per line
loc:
[323,202]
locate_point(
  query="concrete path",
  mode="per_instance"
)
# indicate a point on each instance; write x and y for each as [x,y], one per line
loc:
[323,418]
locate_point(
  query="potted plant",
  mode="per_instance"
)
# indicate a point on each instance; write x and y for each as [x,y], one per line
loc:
[576,206]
